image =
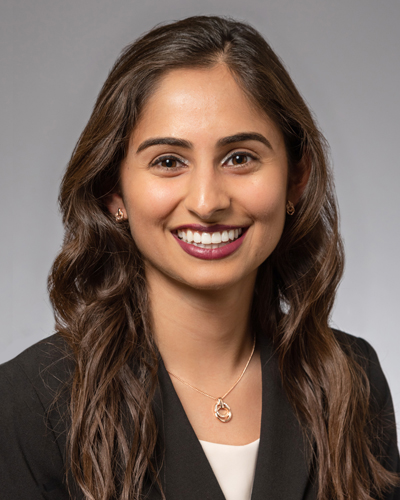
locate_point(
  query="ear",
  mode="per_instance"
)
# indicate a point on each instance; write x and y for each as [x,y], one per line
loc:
[299,179]
[114,202]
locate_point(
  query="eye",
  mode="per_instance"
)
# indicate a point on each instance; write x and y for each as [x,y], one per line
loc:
[167,162]
[239,159]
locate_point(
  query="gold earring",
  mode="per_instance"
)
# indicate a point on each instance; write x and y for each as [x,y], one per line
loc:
[290,210]
[119,216]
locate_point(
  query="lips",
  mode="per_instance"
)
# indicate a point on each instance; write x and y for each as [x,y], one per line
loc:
[214,242]
[209,239]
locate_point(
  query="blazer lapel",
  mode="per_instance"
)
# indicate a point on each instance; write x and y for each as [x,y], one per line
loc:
[186,472]
[282,469]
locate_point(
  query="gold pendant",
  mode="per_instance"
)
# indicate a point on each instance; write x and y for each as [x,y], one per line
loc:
[222,411]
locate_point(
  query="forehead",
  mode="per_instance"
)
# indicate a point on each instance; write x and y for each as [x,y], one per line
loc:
[196,102]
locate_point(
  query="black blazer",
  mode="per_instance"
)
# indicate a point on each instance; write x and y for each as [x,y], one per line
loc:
[32,448]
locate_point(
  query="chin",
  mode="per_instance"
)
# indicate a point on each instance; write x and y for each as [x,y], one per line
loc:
[197,277]
[210,285]
[212,281]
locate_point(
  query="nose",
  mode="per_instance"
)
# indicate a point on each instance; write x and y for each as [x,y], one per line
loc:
[207,193]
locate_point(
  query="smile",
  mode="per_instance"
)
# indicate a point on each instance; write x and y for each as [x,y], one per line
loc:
[210,244]
[215,239]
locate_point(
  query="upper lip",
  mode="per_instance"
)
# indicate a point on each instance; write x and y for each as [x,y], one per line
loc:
[208,229]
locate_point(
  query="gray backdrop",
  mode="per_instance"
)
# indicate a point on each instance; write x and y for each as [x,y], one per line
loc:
[344,57]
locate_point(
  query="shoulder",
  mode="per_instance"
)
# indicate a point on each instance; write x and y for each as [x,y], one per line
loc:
[34,420]
[382,418]
[358,348]
[42,369]
[367,358]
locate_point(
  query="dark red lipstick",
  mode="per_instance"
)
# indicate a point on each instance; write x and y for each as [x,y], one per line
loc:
[211,253]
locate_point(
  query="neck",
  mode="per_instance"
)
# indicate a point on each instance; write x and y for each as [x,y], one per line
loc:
[202,335]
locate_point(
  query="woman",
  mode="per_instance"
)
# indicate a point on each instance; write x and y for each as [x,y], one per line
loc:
[193,356]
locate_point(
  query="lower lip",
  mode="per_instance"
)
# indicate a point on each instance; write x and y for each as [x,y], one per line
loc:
[211,253]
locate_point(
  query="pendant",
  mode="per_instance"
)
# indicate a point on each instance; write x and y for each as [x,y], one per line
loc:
[222,411]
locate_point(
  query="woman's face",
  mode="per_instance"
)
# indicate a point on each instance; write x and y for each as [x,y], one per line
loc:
[204,183]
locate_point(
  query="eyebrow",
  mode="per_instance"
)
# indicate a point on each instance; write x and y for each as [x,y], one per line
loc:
[173,141]
[170,141]
[244,136]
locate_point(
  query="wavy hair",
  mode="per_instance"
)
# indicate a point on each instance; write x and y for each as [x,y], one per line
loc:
[98,289]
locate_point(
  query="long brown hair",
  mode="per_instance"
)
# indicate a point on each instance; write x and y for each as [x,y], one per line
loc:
[98,289]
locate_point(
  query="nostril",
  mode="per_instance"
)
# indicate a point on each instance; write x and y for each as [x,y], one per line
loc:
[206,200]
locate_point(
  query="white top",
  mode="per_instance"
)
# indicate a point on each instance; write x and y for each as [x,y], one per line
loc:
[234,467]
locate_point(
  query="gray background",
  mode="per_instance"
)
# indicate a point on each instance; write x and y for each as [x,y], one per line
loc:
[344,57]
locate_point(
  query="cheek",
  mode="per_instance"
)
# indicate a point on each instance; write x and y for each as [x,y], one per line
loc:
[148,205]
[266,200]
[266,206]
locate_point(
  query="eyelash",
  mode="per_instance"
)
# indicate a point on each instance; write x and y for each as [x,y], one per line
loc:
[159,160]
[241,153]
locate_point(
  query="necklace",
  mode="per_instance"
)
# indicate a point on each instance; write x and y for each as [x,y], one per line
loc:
[221,410]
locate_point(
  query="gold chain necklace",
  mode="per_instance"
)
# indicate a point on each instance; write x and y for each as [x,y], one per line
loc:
[221,410]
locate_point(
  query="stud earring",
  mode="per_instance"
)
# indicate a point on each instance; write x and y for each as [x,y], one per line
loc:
[119,216]
[290,210]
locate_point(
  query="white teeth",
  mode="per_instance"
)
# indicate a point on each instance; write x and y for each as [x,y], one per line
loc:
[209,240]
[216,238]
[206,238]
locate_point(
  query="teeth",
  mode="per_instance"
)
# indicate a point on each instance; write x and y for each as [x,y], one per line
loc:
[209,240]
[206,238]
[216,238]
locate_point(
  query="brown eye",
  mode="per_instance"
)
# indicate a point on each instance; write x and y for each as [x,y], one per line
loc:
[239,159]
[168,163]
